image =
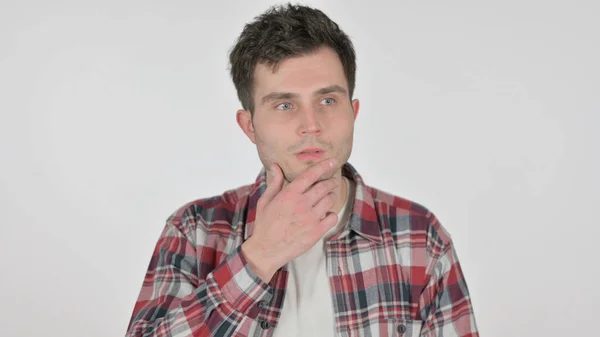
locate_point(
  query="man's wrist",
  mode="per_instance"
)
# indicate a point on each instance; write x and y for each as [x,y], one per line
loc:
[257,263]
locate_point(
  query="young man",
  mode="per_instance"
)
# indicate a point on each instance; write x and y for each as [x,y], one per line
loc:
[308,249]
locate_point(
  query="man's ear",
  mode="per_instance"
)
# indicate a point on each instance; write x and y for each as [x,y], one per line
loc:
[244,120]
[355,107]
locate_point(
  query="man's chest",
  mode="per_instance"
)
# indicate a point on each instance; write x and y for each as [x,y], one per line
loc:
[371,289]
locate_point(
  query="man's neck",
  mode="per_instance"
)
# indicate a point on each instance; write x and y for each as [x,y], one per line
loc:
[341,195]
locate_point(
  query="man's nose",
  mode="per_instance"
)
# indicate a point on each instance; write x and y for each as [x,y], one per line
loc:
[310,123]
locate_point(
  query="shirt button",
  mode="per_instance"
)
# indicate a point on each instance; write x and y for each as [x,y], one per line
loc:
[265,325]
[401,328]
[262,304]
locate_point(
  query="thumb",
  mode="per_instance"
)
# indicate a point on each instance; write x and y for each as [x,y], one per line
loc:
[274,182]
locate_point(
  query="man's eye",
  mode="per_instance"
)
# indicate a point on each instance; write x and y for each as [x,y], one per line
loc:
[284,106]
[328,101]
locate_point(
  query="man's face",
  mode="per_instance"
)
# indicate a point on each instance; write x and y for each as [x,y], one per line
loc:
[302,113]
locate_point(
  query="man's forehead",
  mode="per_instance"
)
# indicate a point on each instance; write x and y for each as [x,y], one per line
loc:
[322,55]
[307,76]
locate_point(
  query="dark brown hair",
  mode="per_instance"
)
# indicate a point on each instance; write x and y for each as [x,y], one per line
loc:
[281,32]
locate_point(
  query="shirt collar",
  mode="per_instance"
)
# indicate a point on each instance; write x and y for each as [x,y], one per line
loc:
[363,217]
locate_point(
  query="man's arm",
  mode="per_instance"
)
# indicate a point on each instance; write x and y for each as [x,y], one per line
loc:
[445,302]
[175,301]
[183,296]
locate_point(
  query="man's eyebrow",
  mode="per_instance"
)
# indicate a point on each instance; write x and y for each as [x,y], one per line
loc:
[288,95]
[278,95]
[330,89]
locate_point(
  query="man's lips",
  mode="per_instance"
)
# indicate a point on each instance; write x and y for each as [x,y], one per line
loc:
[310,154]
[312,150]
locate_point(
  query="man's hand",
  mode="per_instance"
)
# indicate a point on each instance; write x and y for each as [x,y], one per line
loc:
[290,220]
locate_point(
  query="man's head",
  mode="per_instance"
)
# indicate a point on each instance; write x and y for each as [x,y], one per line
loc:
[294,71]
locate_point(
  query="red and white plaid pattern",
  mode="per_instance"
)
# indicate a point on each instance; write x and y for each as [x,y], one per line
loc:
[393,271]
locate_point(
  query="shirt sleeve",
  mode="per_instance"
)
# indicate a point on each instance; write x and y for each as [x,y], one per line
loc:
[445,302]
[175,301]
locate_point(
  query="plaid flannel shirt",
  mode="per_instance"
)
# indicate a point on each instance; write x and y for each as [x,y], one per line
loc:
[393,271]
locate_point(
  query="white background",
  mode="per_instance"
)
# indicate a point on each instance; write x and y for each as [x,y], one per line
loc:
[115,113]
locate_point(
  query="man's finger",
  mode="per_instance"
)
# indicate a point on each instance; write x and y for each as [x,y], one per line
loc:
[324,205]
[319,190]
[327,223]
[310,176]
[274,183]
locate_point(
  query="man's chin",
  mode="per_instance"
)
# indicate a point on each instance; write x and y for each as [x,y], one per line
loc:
[293,174]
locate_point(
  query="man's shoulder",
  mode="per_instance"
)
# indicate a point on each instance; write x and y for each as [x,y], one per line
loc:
[397,202]
[210,210]
[403,215]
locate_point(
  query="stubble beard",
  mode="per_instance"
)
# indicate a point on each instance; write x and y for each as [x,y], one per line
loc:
[268,157]
[341,155]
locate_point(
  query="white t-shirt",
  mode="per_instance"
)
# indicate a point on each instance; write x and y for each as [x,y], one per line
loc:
[308,305]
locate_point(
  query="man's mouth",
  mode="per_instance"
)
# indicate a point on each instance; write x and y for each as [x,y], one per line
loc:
[312,153]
